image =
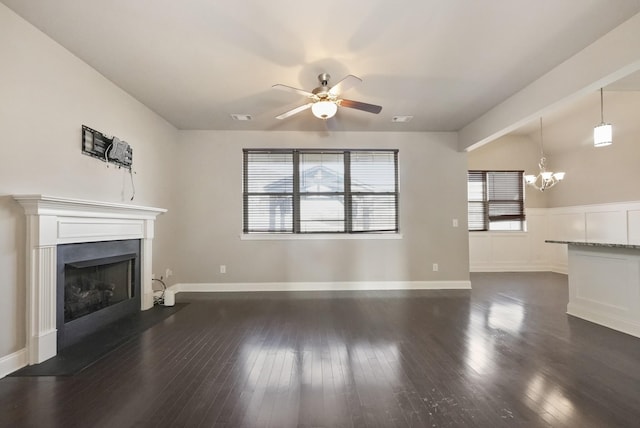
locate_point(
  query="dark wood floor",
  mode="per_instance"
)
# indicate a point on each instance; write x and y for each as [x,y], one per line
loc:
[502,355]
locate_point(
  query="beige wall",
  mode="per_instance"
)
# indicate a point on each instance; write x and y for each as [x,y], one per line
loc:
[594,176]
[513,153]
[600,175]
[209,204]
[46,95]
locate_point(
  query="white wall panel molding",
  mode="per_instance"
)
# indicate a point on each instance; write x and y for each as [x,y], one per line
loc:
[604,287]
[617,223]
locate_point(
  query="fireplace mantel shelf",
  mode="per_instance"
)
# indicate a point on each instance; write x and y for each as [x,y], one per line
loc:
[54,205]
[52,221]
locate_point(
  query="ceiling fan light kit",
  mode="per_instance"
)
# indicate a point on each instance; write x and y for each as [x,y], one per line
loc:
[324,100]
[324,109]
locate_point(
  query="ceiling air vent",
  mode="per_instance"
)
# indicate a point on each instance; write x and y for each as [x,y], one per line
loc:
[401,118]
[235,116]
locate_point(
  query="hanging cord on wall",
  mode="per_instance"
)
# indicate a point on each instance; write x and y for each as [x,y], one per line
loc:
[106,151]
[159,300]
[133,187]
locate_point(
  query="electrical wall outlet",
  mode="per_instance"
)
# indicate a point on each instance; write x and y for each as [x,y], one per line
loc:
[455,222]
[223,268]
[435,267]
[168,273]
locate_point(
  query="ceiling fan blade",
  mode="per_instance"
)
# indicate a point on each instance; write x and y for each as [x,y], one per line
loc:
[345,84]
[371,108]
[294,111]
[295,90]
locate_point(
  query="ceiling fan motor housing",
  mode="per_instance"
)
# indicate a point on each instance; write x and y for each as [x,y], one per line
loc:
[322,91]
[324,78]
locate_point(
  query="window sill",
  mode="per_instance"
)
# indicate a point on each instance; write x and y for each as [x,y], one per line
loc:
[317,236]
[498,232]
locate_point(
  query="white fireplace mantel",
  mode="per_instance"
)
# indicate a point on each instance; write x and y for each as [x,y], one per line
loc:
[52,221]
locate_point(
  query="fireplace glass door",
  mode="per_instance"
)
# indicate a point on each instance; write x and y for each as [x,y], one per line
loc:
[94,285]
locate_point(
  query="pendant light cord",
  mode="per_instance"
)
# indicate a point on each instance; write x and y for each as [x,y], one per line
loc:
[601,107]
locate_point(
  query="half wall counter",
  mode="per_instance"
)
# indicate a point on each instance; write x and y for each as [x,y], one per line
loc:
[604,284]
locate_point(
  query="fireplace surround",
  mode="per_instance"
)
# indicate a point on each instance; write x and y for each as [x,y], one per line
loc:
[55,221]
[97,284]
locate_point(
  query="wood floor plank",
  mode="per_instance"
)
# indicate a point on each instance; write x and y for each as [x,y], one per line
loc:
[504,354]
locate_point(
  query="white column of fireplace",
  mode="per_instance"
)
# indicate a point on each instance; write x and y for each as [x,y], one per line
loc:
[52,221]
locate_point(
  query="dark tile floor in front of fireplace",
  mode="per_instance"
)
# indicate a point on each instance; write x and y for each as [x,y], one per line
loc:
[78,357]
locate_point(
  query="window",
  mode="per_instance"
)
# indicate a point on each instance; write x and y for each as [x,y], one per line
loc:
[320,191]
[496,200]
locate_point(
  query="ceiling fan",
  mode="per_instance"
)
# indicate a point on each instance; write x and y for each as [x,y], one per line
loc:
[324,100]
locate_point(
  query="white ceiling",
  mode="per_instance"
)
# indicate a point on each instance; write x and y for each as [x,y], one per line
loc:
[195,62]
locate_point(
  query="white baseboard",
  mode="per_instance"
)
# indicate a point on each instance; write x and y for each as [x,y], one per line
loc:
[12,362]
[503,267]
[321,286]
[626,326]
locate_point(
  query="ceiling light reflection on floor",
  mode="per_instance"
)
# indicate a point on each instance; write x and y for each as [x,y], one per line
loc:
[506,316]
[544,397]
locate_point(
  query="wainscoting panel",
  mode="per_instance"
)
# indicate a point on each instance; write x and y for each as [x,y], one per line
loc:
[609,227]
[565,226]
[528,251]
[633,222]
[604,287]
[512,251]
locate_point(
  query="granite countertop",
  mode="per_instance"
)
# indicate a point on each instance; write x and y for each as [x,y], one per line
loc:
[594,244]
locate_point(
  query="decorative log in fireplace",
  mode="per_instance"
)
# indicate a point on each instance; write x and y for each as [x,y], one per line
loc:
[84,296]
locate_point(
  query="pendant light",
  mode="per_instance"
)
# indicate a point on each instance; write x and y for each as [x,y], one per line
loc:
[603,133]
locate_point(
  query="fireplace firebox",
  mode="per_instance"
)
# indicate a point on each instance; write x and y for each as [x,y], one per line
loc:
[97,284]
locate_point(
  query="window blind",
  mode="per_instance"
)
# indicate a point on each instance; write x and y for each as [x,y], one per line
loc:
[495,196]
[268,191]
[328,191]
[476,190]
[374,191]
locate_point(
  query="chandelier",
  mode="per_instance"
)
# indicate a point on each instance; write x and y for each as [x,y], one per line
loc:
[545,179]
